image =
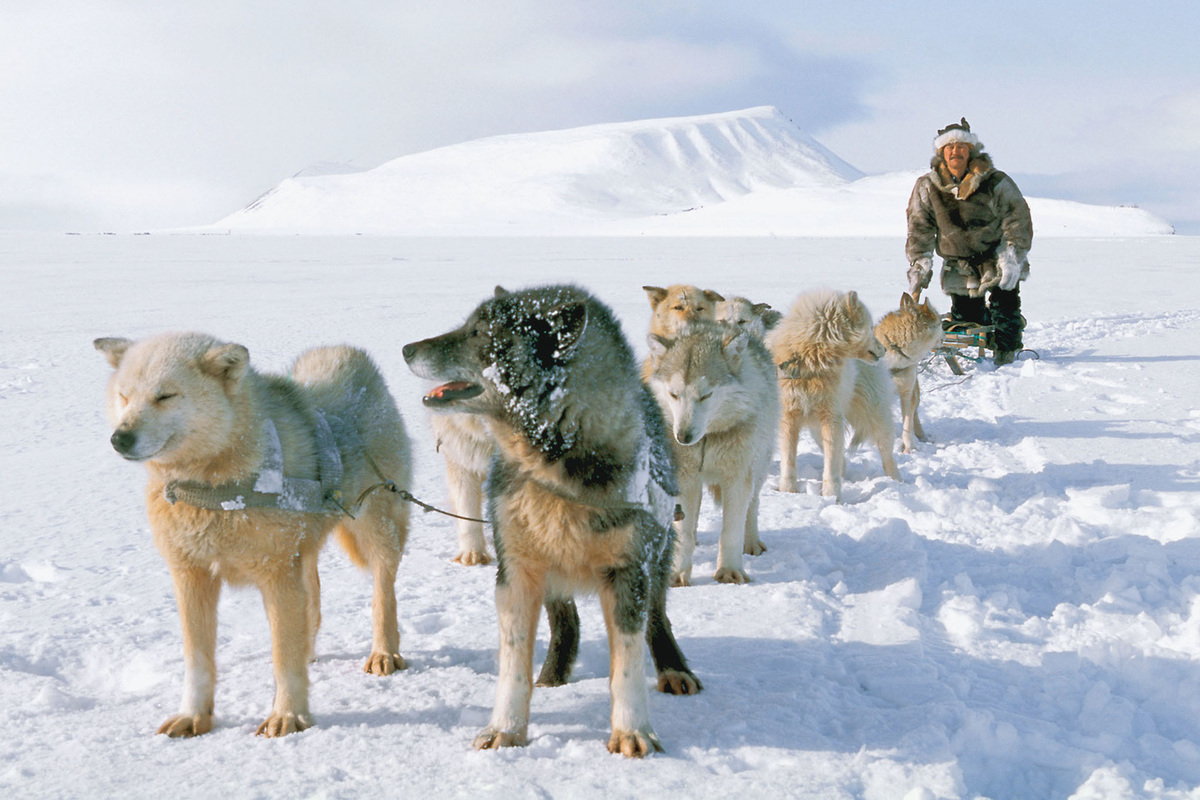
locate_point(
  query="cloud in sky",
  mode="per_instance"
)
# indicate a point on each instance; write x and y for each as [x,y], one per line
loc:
[141,114]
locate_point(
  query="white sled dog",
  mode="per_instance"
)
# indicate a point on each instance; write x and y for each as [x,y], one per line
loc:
[907,336]
[827,356]
[248,474]
[467,447]
[581,494]
[755,318]
[716,385]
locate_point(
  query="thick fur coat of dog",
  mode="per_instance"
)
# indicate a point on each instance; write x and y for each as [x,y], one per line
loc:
[466,446]
[755,318]
[716,385]
[227,452]
[827,356]
[581,495]
[907,336]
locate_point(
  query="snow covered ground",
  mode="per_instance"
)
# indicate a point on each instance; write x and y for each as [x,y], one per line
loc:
[1019,619]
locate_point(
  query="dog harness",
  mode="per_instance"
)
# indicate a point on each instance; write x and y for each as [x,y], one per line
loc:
[270,488]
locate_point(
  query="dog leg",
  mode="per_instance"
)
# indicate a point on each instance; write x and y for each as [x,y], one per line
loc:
[286,603]
[918,429]
[632,734]
[312,590]
[518,605]
[905,384]
[789,437]
[833,443]
[196,594]
[674,676]
[564,642]
[690,496]
[753,546]
[385,655]
[466,497]
[736,496]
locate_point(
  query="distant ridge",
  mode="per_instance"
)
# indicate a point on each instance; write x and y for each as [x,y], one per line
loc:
[750,172]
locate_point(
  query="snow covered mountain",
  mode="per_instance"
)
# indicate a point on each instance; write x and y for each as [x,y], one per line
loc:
[745,173]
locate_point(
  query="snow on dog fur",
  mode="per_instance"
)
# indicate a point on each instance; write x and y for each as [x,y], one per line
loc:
[580,495]
[827,355]
[716,385]
[195,413]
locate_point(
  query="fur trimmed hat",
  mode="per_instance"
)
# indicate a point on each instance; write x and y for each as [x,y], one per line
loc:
[956,132]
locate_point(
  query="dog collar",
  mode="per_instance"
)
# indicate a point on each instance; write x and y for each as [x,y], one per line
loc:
[270,488]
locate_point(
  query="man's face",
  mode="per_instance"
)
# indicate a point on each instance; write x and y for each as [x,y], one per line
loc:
[957,155]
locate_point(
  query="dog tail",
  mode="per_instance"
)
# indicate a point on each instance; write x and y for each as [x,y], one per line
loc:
[350,545]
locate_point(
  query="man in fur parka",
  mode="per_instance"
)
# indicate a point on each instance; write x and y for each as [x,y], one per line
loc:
[975,218]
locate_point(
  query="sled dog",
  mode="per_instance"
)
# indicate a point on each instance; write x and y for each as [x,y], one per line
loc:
[581,494]
[677,305]
[755,318]
[466,446]
[907,336]
[827,356]
[248,474]
[716,385]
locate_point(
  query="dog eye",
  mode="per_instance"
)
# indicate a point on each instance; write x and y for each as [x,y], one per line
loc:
[705,396]
[163,397]
[672,395]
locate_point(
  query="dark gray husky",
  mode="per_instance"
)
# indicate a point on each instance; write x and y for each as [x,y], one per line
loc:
[581,495]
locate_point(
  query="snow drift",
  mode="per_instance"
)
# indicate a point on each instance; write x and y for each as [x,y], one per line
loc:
[742,173]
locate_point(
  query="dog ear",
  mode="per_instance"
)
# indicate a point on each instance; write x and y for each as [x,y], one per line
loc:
[227,361]
[768,315]
[907,301]
[712,296]
[567,324]
[656,294]
[500,291]
[113,349]
[659,345]
[734,344]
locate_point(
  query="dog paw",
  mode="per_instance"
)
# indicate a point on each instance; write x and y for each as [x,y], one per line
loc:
[756,548]
[727,575]
[472,558]
[492,739]
[672,681]
[634,744]
[182,726]
[384,663]
[789,486]
[681,579]
[283,724]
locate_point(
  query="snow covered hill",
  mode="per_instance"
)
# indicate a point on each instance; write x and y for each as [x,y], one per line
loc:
[742,173]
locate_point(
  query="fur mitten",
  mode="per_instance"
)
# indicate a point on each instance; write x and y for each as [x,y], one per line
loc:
[1013,266]
[919,275]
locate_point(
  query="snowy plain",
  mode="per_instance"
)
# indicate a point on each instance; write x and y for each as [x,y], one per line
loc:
[1019,619]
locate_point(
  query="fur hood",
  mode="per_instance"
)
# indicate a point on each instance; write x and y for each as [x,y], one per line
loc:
[978,169]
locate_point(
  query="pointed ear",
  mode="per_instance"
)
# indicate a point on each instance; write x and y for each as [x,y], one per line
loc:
[227,361]
[500,291]
[907,301]
[659,345]
[712,296]
[656,294]
[567,324]
[113,349]
[771,317]
[734,345]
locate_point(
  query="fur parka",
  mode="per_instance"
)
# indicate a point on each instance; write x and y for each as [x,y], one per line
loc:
[980,226]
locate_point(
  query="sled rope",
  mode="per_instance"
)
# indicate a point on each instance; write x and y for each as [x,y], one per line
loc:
[388,484]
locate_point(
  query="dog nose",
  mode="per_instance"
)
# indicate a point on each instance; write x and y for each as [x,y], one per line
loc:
[123,441]
[409,350]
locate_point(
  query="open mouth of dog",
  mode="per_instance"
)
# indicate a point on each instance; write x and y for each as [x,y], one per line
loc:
[452,392]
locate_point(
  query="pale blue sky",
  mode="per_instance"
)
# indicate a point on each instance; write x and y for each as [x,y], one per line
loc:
[138,114]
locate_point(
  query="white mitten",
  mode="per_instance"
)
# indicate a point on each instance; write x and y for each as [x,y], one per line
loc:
[919,275]
[1012,264]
